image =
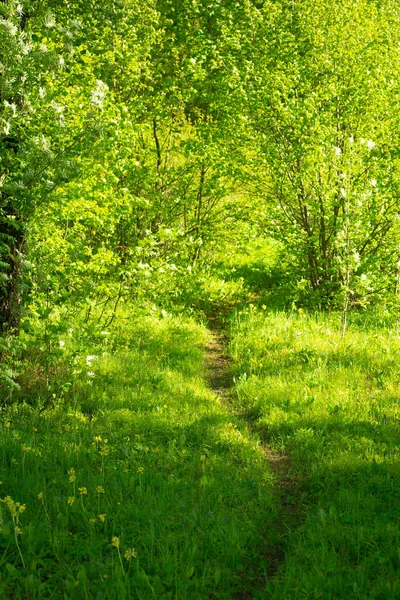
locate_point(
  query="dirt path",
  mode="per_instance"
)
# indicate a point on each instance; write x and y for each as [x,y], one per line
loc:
[289,488]
[219,366]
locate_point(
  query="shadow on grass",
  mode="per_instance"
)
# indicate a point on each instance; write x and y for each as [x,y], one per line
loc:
[339,423]
[347,546]
[182,484]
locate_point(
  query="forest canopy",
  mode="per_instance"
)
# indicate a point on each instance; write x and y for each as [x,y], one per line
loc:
[136,138]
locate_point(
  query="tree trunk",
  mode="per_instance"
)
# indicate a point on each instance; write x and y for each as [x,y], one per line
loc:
[12,244]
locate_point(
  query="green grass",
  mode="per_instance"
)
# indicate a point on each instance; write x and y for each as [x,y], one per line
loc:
[141,453]
[333,406]
[135,481]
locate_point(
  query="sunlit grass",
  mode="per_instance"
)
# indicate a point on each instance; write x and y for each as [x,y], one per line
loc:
[138,484]
[333,405]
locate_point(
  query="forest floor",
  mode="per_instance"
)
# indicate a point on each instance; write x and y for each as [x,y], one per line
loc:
[251,459]
[139,483]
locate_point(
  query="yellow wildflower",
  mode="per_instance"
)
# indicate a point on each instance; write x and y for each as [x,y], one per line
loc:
[98,438]
[115,541]
[100,489]
[102,518]
[130,553]
[72,475]
[71,500]
[82,490]
[9,502]
[140,470]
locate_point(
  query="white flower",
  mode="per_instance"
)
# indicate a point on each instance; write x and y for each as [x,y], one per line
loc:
[49,20]
[98,95]
[10,27]
[62,344]
[370,144]
[338,151]
[373,182]
[90,359]
[58,109]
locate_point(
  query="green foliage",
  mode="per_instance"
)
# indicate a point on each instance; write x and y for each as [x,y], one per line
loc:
[162,158]
[10,366]
[324,103]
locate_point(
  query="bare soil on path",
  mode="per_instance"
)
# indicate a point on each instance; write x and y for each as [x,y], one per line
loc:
[290,490]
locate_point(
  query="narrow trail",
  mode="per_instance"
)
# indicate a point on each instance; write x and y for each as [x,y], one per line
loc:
[219,366]
[289,489]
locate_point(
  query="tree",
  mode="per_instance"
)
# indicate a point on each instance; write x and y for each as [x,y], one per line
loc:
[324,104]
[35,144]
[152,188]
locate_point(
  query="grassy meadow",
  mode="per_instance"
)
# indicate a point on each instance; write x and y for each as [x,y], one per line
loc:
[138,483]
[332,406]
